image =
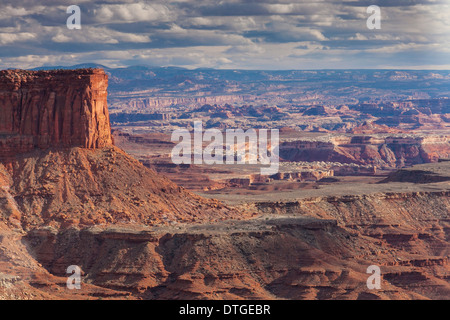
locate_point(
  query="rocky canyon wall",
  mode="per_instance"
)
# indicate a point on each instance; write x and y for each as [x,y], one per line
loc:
[43,109]
[310,249]
[383,152]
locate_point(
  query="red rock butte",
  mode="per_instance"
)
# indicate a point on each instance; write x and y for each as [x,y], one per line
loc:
[53,109]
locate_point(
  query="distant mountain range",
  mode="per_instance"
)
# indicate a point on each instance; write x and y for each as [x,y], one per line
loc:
[172,84]
[149,72]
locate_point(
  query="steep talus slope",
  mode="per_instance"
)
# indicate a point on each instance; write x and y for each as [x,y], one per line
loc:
[82,186]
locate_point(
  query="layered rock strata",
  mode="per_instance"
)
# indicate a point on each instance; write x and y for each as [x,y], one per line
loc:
[43,109]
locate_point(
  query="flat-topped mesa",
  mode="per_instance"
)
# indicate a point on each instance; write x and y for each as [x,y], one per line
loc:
[44,109]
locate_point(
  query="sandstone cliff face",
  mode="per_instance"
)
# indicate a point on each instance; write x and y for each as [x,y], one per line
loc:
[46,109]
[155,103]
[390,152]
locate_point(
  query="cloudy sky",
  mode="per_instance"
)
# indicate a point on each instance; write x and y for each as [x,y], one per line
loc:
[245,34]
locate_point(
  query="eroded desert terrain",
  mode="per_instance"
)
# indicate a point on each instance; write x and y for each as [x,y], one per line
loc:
[363,180]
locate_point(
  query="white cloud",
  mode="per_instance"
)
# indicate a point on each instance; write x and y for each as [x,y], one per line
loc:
[8,38]
[133,12]
[358,36]
[98,35]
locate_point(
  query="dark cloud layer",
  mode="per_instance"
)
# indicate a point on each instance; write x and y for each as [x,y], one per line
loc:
[262,34]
